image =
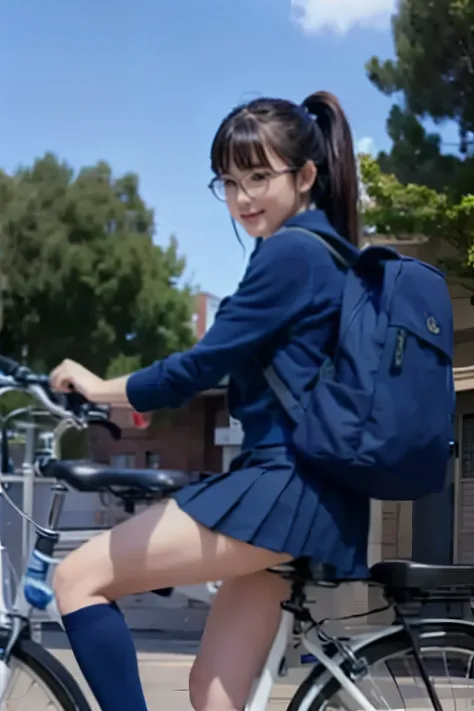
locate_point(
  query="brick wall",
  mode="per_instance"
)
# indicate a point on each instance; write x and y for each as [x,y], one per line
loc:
[182,439]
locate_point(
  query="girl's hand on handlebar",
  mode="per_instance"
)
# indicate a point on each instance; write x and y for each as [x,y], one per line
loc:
[70,374]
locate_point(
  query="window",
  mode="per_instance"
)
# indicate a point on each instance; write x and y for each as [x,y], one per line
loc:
[126,460]
[152,460]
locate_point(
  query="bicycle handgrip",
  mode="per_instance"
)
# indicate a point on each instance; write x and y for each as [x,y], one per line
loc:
[74,400]
[8,365]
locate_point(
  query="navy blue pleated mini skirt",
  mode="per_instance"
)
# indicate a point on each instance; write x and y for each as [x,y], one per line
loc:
[270,500]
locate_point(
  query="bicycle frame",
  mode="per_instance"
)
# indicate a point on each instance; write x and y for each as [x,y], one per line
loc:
[262,688]
[16,611]
[202,593]
[332,665]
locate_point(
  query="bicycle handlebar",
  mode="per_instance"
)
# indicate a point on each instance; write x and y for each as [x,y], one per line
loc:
[67,405]
[8,366]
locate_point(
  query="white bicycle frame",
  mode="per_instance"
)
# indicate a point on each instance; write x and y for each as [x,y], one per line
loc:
[19,610]
[15,609]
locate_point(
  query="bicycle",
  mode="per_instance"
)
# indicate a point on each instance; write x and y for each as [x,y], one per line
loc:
[342,667]
[51,683]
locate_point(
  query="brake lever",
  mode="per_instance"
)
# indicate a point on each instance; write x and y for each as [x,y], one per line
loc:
[92,413]
[55,396]
[81,406]
[84,410]
[74,402]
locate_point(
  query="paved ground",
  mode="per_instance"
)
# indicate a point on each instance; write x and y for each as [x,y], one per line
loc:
[164,668]
[165,663]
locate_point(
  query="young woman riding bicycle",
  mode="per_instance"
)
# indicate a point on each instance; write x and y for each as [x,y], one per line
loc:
[277,165]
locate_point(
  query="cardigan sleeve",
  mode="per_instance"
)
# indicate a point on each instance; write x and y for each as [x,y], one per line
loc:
[275,290]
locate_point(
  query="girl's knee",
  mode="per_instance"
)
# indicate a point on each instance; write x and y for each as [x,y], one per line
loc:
[64,581]
[73,587]
[207,693]
[198,689]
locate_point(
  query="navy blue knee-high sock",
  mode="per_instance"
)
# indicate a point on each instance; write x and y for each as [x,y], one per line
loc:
[104,650]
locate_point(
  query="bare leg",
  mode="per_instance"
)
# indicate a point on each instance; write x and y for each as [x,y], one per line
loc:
[162,547]
[240,630]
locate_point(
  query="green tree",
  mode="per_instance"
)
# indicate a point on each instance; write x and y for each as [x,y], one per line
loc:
[434,65]
[424,190]
[416,156]
[395,209]
[399,210]
[85,279]
[433,76]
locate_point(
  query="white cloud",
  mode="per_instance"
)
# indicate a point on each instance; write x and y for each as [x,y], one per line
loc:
[339,16]
[366,145]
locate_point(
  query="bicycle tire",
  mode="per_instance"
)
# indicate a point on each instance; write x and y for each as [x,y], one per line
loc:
[64,688]
[455,634]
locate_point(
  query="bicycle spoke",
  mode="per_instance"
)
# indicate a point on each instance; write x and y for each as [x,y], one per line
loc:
[395,684]
[26,692]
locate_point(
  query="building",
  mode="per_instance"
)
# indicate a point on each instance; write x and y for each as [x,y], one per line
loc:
[193,438]
[205,313]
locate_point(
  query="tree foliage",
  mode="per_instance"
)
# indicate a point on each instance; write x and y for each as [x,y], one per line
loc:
[412,210]
[416,156]
[84,277]
[397,209]
[418,188]
[434,65]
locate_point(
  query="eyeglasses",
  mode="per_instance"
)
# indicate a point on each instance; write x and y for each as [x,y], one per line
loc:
[254,185]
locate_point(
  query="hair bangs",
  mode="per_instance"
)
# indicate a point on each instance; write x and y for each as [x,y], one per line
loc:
[240,142]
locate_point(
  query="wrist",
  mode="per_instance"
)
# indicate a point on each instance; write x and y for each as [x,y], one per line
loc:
[111,392]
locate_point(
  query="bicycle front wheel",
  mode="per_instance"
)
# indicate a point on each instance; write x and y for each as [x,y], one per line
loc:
[37,681]
[393,680]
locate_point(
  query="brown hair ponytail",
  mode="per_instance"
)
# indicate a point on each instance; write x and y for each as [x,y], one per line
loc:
[317,130]
[336,189]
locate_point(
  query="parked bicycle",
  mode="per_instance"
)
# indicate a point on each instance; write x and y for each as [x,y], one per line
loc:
[368,671]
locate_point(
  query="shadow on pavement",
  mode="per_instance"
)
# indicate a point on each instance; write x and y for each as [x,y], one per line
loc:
[167,642]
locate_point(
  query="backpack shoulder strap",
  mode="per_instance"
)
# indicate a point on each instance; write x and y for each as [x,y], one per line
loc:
[346,260]
[332,244]
[283,394]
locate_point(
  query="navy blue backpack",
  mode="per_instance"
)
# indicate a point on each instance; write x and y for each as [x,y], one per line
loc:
[379,418]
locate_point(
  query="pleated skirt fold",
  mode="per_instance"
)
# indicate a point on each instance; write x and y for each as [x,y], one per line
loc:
[271,500]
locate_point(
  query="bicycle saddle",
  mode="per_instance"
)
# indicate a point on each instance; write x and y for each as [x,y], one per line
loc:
[88,476]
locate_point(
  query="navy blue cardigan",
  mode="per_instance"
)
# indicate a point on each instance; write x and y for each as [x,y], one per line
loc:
[285,309]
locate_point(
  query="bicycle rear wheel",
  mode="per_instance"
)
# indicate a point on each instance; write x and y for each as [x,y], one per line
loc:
[39,682]
[447,650]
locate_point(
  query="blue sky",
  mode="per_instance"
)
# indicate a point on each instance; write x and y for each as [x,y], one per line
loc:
[145,84]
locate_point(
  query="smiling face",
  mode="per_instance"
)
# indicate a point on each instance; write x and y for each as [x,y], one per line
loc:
[272,159]
[262,188]
[263,197]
